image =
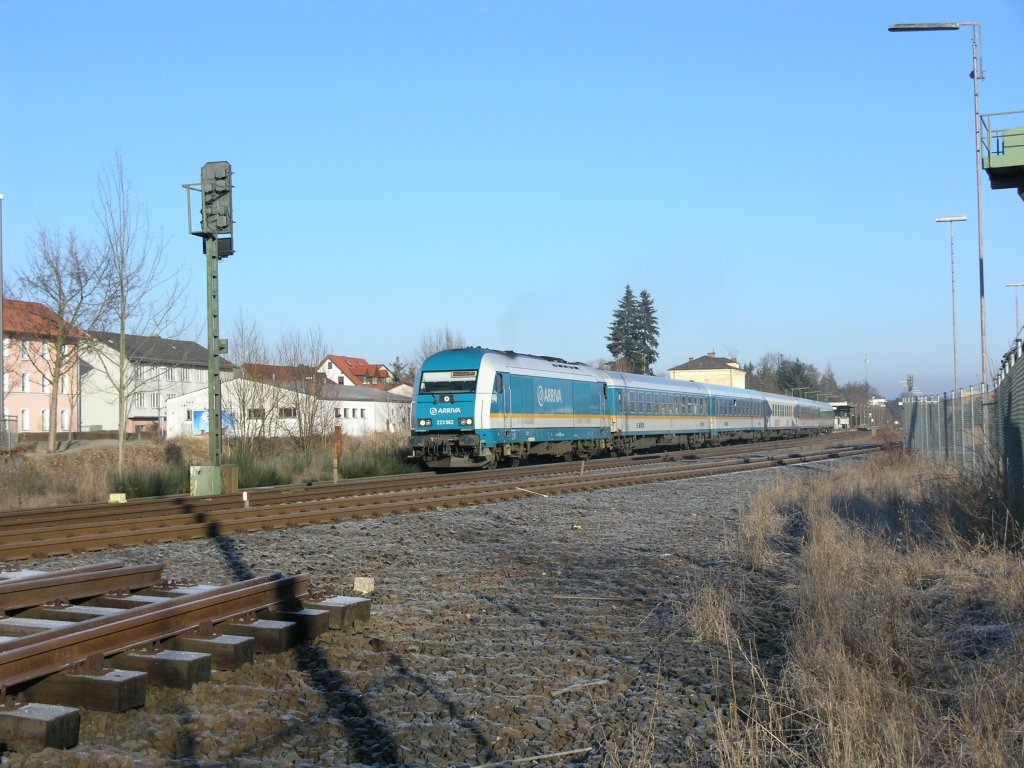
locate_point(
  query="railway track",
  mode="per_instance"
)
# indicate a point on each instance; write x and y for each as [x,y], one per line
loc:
[92,527]
[92,636]
[96,636]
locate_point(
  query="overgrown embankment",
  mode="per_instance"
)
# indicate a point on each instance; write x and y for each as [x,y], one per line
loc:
[88,472]
[895,593]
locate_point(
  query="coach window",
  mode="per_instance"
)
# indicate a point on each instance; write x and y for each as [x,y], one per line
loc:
[499,383]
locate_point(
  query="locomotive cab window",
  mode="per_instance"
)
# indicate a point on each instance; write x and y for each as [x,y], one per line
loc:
[447,382]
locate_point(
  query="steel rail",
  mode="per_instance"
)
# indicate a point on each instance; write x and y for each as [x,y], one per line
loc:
[64,585]
[241,520]
[19,533]
[34,656]
[178,504]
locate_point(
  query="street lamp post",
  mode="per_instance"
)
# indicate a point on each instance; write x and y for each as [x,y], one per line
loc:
[977,73]
[952,272]
[1016,304]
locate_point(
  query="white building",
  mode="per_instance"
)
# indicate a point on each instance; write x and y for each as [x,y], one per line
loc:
[277,409]
[158,370]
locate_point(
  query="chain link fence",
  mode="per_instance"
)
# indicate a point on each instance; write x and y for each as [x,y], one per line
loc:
[1009,426]
[979,431]
[950,427]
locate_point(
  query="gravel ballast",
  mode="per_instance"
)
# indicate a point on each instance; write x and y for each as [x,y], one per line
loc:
[521,629]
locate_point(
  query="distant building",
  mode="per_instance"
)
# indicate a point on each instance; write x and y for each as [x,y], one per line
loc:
[349,371]
[711,369]
[158,369]
[29,334]
[274,409]
[843,411]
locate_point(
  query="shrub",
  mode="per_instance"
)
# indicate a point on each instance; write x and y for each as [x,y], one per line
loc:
[139,482]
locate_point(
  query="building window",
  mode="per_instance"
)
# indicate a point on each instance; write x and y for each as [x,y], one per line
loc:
[288,413]
[46,419]
[65,384]
[186,374]
[24,350]
[139,400]
[26,423]
[362,413]
[154,399]
[346,413]
[46,384]
[64,419]
[46,350]
[25,385]
[170,373]
[257,413]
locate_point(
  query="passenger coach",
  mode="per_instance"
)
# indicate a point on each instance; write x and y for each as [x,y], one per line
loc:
[476,408]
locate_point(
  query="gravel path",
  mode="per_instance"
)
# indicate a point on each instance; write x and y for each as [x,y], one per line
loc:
[503,632]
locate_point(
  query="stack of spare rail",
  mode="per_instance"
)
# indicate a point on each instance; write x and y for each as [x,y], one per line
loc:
[97,636]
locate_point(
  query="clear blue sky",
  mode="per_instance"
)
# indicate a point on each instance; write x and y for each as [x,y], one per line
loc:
[770,172]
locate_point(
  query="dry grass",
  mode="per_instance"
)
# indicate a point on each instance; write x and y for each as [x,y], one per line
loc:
[86,473]
[903,645]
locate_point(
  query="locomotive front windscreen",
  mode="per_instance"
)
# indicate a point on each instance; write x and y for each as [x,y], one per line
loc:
[447,382]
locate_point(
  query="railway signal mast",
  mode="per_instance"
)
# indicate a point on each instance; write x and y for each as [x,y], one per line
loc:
[217,233]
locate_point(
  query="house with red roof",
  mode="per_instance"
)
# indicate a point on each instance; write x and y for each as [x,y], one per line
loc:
[39,389]
[355,371]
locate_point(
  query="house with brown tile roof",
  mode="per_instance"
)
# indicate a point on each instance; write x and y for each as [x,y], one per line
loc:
[31,331]
[275,373]
[355,371]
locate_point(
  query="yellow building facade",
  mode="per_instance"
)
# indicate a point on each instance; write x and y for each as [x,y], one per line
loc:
[711,369]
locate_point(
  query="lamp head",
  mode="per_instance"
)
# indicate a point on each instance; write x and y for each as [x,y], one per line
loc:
[943,27]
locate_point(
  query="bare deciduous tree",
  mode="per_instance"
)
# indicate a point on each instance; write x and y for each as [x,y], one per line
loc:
[434,341]
[313,419]
[147,298]
[252,400]
[67,278]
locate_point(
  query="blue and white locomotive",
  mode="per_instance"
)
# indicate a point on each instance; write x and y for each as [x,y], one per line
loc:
[477,408]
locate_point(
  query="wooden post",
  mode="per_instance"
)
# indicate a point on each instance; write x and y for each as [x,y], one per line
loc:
[337,451]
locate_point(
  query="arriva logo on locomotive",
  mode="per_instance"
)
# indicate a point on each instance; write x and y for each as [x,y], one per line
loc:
[436,411]
[548,395]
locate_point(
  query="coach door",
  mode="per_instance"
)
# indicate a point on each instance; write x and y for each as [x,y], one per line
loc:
[503,400]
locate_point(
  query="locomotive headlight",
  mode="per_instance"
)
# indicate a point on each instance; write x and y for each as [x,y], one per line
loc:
[425,422]
[465,422]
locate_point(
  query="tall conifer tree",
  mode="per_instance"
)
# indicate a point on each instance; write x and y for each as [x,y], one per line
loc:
[647,332]
[633,333]
[620,332]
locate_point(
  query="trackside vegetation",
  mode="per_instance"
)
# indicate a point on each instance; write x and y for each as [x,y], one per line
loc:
[159,467]
[877,622]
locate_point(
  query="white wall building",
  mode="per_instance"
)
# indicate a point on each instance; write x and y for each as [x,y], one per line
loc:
[158,370]
[274,409]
